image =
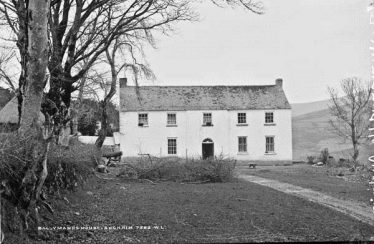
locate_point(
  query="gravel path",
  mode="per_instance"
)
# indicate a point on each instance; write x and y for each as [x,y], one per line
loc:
[357,210]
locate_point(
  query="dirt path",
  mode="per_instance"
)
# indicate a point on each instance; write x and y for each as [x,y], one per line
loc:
[357,210]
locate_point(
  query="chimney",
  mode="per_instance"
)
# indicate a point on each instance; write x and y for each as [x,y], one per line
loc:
[122,82]
[279,82]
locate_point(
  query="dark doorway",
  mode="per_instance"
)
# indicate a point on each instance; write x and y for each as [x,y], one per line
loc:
[208,148]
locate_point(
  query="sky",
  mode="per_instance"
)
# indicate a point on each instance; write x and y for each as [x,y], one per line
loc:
[311,44]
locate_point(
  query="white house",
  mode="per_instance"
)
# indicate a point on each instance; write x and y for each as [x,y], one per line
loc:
[243,122]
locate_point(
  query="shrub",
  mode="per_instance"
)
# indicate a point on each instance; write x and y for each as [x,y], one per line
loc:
[175,169]
[310,159]
[324,156]
[69,167]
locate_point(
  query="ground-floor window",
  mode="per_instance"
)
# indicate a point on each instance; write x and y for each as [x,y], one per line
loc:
[172,146]
[242,143]
[269,144]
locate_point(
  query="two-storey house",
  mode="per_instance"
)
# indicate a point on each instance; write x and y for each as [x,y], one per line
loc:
[242,122]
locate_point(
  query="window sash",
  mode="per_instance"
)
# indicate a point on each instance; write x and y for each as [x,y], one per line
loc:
[207,118]
[172,146]
[242,118]
[143,119]
[171,119]
[242,144]
[269,117]
[269,144]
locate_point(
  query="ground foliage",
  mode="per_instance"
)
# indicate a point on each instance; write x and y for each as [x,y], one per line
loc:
[70,166]
[65,172]
[215,169]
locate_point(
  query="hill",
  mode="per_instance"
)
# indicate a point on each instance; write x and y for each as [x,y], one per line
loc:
[306,108]
[311,133]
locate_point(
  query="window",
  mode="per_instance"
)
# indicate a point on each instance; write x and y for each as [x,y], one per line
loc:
[142,119]
[269,144]
[269,117]
[172,146]
[207,119]
[172,119]
[242,118]
[242,142]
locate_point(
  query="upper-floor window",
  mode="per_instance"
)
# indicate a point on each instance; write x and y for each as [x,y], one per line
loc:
[143,119]
[269,144]
[171,119]
[207,119]
[242,144]
[269,117]
[242,118]
[172,146]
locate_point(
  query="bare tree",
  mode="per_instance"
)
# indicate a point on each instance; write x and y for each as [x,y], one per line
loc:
[350,113]
[122,54]
[81,31]
[23,185]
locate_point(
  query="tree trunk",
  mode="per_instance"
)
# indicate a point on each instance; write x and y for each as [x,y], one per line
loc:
[30,126]
[104,126]
[38,59]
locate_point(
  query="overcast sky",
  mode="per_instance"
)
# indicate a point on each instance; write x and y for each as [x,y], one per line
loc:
[311,44]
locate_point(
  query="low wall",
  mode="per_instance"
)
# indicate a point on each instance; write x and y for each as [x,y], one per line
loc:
[109,141]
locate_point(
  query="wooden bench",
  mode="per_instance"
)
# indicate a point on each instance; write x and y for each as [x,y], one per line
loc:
[252,166]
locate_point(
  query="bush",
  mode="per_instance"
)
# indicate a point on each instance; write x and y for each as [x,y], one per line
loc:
[175,169]
[324,156]
[69,167]
[310,159]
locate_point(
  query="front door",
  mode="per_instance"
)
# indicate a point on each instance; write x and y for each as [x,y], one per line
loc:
[208,148]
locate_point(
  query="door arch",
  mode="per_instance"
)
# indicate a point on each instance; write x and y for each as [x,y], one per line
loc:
[207,148]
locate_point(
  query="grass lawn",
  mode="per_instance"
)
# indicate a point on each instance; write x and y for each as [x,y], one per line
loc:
[320,179]
[190,213]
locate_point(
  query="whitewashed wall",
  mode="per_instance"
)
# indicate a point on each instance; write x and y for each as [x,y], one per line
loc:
[109,141]
[190,133]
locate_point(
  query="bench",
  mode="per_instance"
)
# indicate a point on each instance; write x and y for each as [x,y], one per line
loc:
[252,166]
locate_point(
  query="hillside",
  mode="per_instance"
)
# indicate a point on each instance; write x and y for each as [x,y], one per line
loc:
[306,108]
[311,133]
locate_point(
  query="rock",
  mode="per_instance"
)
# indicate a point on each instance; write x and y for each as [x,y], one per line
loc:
[101,168]
[76,213]
[89,193]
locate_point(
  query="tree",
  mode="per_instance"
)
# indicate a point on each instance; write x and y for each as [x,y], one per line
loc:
[31,157]
[350,113]
[81,31]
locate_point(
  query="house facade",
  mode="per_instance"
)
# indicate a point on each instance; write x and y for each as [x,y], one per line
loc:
[242,122]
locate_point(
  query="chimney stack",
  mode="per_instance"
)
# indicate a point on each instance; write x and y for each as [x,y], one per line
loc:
[279,82]
[122,82]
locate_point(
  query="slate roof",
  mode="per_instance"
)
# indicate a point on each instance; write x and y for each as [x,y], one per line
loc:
[180,98]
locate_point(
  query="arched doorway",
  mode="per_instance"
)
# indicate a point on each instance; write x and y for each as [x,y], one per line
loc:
[208,148]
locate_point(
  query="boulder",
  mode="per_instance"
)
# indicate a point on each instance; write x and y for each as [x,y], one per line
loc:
[101,168]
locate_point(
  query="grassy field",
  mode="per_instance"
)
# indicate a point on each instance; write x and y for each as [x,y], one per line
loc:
[311,133]
[194,213]
[323,179]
